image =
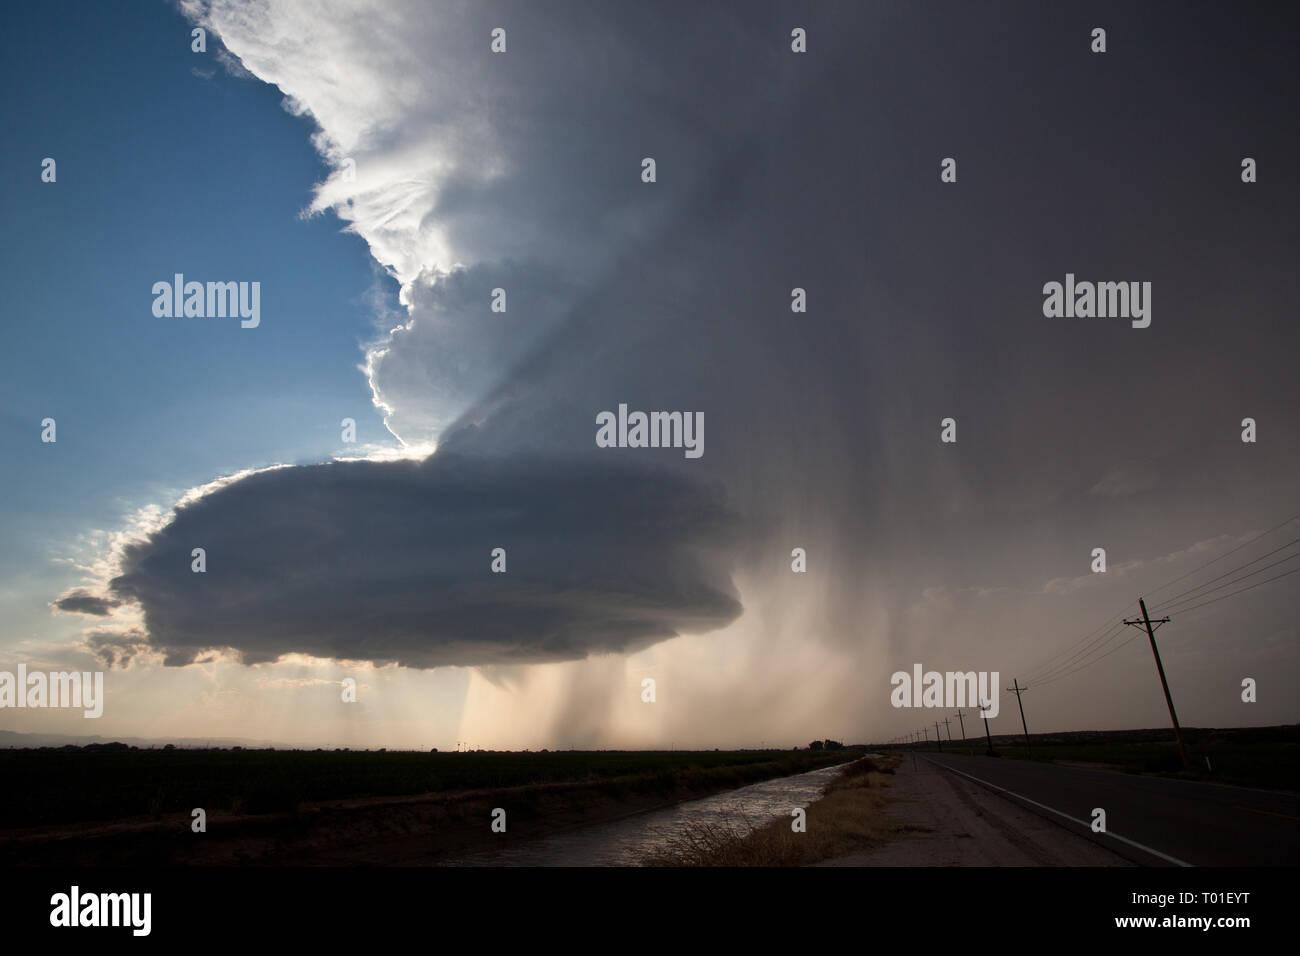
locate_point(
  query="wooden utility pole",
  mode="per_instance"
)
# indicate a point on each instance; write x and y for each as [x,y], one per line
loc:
[984,712]
[947,723]
[938,739]
[1017,688]
[1151,636]
[962,723]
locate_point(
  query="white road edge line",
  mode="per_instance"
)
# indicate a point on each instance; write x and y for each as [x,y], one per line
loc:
[1083,823]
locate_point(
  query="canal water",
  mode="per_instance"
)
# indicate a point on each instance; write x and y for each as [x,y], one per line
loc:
[624,842]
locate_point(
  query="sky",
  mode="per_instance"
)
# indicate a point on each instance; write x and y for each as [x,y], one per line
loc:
[380,171]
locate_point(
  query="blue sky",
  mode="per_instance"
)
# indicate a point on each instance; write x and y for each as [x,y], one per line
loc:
[159,171]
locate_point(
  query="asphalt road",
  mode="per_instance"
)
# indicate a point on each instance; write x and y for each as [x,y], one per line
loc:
[1154,821]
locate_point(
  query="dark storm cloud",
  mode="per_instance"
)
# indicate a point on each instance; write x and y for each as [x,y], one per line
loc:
[390,562]
[117,648]
[81,601]
[821,171]
[925,301]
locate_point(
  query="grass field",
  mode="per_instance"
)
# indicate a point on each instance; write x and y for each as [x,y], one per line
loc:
[69,786]
[1266,757]
[1270,766]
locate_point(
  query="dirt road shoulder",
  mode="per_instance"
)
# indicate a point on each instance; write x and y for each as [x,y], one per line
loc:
[937,818]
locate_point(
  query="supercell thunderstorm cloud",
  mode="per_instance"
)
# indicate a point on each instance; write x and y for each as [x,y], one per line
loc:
[444,434]
[950,322]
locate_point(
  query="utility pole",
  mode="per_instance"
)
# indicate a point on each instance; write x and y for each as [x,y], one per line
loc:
[926,732]
[938,739]
[947,723]
[962,722]
[1017,688]
[984,712]
[1151,636]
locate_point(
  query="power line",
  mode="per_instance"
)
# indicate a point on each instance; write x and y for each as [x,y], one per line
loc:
[1221,597]
[1080,663]
[1089,663]
[1225,554]
[1232,570]
[1225,584]
[1049,667]
[1242,590]
[1094,645]
[1082,658]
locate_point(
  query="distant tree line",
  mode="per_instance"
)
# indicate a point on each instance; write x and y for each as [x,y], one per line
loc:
[825,745]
